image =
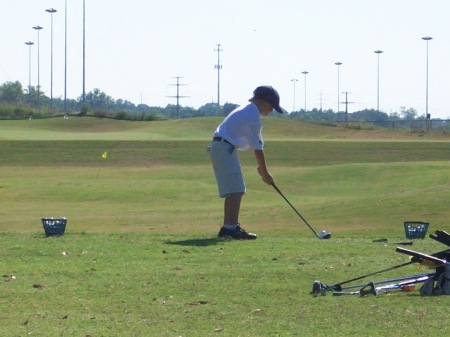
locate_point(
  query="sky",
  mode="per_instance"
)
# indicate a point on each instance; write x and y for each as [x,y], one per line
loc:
[136,49]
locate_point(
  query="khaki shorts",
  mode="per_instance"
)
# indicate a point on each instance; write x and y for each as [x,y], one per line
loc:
[227,168]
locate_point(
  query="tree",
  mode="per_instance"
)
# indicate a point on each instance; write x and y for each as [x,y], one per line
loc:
[11,92]
[208,110]
[367,115]
[97,99]
[228,107]
[408,114]
[124,105]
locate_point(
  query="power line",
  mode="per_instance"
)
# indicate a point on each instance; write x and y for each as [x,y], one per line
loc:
[178,94]
[346,106]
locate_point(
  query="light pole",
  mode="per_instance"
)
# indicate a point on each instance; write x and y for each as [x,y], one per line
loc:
[294,80]
[378,52]
[84,55]
[218,66]
[427,38]
[304,73]
[51,11]
[38,28]
[29,44]
[338,65]
[65,59]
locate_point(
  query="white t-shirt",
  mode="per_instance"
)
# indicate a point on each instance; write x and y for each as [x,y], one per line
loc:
[242,128]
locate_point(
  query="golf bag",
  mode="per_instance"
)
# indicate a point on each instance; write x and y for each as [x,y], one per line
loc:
[440,285]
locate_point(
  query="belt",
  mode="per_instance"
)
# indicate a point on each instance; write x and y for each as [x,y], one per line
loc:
[220,139]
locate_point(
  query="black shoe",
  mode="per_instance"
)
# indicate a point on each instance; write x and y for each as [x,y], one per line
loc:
[236,233]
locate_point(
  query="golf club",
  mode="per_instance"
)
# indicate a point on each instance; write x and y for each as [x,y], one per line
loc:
[385,241]
[442,237]
[423,256]
[338,286]
[402,285]
[326,235]
[416,258]
[370,289]
[397,279]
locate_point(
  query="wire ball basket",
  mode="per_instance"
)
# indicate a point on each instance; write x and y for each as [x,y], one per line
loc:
[54,227]
[416,229]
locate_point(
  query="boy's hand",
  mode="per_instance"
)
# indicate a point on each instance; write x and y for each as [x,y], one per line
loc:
[266,177]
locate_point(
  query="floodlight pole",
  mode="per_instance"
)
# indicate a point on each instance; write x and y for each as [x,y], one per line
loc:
[338,65]
[218,66]
[84,52]
[304,73]
[51,11]
[65,59]
[293,81]
[427,39]
[38,28]
[29,44]
[378,52]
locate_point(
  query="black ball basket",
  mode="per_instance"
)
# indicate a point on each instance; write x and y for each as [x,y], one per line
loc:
[54,227]
[415,229]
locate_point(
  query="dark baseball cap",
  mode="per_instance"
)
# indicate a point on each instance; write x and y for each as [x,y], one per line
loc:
[270,95]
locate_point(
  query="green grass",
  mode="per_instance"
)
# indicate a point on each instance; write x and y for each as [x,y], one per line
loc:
[184,285]
[140,257]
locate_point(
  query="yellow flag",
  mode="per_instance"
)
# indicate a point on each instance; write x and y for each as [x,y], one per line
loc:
[105,154]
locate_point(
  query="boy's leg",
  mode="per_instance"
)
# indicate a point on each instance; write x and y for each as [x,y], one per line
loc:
[232,206]
[231,227]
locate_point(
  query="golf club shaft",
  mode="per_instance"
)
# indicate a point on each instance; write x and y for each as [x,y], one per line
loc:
[337,286]
[422,256]
[402,284]
[398,279]
[442,237]
[370,289]
[295,210]
[344,293]
[402,243]
[385,241]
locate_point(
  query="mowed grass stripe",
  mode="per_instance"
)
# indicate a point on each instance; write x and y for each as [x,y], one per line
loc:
[172,152]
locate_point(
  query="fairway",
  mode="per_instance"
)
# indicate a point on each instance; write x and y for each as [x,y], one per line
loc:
[142,258]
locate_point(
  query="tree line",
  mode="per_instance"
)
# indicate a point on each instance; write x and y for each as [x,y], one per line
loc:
[17,102]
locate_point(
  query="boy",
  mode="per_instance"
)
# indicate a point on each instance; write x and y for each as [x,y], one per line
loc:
[241,129]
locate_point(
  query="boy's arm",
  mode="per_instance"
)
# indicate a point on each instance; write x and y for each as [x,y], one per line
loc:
[262,168]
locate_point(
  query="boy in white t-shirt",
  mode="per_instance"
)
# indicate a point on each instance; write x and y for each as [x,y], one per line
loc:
[241,130]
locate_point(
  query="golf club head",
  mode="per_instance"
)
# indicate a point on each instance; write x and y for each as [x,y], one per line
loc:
[318,288]
[368,290]
[325,235]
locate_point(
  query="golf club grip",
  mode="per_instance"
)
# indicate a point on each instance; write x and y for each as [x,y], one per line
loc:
[421,255]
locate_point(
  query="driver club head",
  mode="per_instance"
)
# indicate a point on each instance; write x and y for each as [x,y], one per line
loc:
[325,235]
